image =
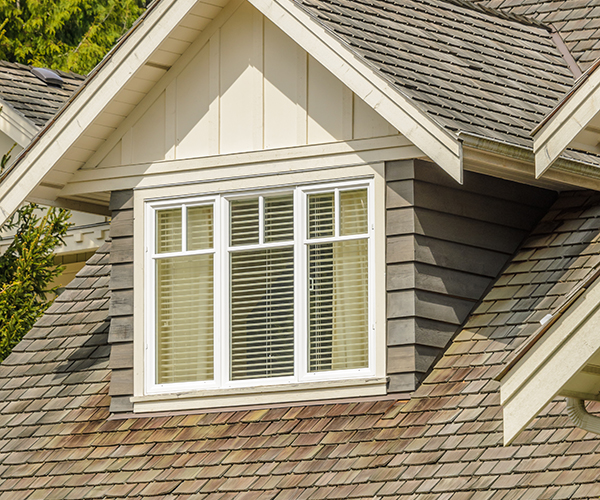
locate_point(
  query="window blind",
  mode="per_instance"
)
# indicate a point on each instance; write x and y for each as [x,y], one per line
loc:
[262,313]
[184,296]
[338,283]
[184,322]
[262,288]
[168,230]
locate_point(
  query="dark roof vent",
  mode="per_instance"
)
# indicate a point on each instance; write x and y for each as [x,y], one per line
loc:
[48,76]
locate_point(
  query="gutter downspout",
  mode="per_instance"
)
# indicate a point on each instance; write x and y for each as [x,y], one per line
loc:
[580,416]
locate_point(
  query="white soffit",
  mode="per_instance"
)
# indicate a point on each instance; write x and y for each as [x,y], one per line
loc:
[574,123]
[564,361]
[117,84]
[145,55]
[15,125]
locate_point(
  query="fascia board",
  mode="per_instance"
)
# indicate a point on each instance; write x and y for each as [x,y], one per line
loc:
[540,375]
[16,126]
[430,137]
[569,119]
[37,160]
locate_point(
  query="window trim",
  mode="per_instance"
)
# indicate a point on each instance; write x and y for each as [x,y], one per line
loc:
[220,203]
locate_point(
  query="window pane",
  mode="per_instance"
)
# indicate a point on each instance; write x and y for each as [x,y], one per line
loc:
[244,222]
[200,228]
[321,219]
[338,306]
[262,313]
[353,212]
[279,218]
[168,230]
[184,319]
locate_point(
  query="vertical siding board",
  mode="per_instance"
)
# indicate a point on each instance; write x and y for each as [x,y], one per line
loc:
[120,335]
[446,243]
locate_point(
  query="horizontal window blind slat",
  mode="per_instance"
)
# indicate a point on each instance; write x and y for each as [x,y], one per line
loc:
[184,319]
[262,313]
[168,230]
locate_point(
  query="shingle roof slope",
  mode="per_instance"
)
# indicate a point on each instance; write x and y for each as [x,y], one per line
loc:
[56,440]
[470,70]
[577,21]
[30,96]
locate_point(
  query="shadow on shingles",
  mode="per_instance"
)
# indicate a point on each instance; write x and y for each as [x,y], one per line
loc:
[93,352]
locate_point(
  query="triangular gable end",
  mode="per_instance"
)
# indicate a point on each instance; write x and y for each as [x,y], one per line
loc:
[249,87]
[149,52]
[574,123]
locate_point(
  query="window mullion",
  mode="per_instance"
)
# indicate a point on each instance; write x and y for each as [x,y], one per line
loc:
[336,213]
[300,278]
[224,274]
[184,228]
[261,220]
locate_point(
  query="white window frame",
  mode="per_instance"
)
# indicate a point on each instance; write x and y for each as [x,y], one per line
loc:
[221,249]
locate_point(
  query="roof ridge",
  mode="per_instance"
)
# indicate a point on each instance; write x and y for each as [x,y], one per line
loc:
[507,16]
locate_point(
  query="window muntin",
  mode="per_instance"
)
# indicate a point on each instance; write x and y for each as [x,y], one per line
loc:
[284,294]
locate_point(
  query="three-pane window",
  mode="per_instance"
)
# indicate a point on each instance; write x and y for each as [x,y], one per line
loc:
[263,288]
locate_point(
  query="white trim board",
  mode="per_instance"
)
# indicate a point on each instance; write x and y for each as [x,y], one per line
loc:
[552,362]
[430,137]
[15,125]
[285,160]
[96,94]
[145,39]
[568,119]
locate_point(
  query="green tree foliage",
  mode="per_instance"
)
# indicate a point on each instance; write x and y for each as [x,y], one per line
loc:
[63,34]
[27,268]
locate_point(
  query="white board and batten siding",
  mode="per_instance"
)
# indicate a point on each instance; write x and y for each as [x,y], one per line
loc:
[248,88]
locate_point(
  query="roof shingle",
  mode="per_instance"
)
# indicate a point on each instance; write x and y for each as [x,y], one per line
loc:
[30,96]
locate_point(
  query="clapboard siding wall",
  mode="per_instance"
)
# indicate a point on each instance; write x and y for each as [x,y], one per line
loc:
[120,335]
[446,243]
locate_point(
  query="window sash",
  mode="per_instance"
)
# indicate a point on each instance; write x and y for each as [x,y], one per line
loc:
[222,250]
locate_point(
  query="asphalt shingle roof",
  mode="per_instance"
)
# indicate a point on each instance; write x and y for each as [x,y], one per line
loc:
[469,69]
[57,440]
[577,21]
[30,96]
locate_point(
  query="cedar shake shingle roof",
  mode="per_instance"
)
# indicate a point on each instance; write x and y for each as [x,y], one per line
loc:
[57,440]
[30,96]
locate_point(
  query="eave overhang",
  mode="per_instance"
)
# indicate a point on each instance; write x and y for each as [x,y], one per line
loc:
[561,359]
[574,123]
[44,168]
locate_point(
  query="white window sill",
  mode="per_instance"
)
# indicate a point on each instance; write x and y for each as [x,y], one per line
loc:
[271,394]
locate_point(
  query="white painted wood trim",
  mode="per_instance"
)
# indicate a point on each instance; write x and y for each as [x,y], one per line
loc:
[563,350]
[436,142]
[572,116]
[288,393]
[16,126]
[118,69]
[312,157]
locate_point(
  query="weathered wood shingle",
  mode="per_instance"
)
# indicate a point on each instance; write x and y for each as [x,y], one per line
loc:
[57,441]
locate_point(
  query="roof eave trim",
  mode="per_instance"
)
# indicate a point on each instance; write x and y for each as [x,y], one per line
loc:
[569,117]
[433,140]
[566,171]
[89,100]
[15,125]
[551,361]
